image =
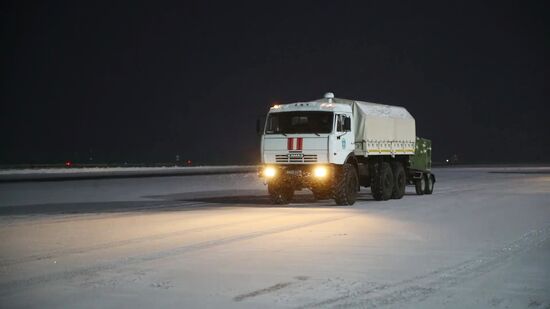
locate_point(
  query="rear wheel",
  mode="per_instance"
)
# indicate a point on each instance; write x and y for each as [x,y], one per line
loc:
[382,182]
[400,180]
[280,193]
[429,184]
[420,185]
[346,185]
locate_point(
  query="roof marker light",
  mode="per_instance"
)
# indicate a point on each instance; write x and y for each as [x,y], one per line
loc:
[329,96]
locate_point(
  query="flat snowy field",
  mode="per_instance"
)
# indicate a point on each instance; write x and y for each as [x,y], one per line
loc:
[482,240]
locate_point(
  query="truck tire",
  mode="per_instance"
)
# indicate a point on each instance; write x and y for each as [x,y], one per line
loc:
[399,180]
[279,193]
[420,185]
[429,184]
[382,182]
[346,185]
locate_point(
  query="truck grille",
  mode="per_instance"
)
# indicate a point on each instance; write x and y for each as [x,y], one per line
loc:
[311,158]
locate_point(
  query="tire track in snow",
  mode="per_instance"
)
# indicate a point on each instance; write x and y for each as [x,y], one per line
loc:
[270,289]
[273,288]
[422,286]
[23,284]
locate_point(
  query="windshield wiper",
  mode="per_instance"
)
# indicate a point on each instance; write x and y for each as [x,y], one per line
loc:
[316,133]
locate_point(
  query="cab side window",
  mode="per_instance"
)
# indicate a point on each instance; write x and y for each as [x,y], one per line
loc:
[340,121]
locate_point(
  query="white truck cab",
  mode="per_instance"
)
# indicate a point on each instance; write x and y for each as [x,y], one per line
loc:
[308,132]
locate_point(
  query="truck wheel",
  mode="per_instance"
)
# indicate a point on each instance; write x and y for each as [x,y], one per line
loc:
[346,185]
[382,182]
[429,184]
[399,181]
[420,185]
[279,193]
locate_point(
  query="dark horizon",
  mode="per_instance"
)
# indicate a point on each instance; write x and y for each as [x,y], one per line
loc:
[140,83]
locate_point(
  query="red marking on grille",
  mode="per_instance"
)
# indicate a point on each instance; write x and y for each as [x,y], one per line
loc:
[300,142]
[290,144]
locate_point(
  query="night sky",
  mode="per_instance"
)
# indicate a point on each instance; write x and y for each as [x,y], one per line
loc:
[143,81]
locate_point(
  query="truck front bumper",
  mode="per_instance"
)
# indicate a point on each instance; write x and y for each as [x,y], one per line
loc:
[300,176]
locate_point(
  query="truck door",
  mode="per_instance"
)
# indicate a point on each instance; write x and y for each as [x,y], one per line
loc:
[342,142]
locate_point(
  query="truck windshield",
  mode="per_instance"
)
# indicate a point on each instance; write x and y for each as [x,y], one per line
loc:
[299,122]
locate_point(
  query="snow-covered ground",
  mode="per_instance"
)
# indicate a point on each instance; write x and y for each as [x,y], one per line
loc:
[480,241]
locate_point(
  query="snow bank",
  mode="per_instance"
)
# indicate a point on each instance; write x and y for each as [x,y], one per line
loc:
[9,175]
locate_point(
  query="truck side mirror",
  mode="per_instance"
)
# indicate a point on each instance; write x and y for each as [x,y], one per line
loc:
[347,124]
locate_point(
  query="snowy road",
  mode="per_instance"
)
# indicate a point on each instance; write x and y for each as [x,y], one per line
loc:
[482,240]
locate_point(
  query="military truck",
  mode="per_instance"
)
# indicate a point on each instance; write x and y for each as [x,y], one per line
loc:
[335,146]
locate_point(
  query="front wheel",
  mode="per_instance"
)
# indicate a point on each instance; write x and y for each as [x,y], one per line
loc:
[346,185]
[429,184]
[280,193]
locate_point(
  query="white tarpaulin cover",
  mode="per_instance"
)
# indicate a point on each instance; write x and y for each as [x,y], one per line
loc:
[381,129]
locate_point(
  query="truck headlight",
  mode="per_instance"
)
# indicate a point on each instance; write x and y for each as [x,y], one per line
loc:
[320,171]
[270,172]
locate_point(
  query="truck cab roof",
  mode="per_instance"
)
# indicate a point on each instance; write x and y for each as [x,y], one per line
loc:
[318,105]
